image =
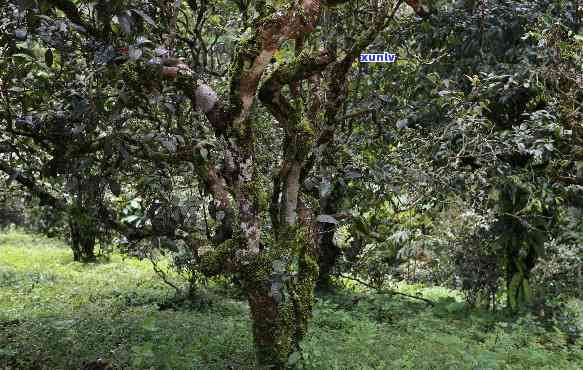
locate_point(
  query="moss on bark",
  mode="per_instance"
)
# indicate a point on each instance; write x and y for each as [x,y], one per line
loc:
[219,259]
[279,283]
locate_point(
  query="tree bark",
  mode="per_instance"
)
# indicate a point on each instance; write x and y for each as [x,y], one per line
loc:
[280,289]
[518,266]
[278,274]
[328,251]
[82,241]
[328,255]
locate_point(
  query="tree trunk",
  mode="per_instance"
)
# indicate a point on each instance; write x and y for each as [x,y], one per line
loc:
[82,242]
[518,268]
[88,246]
[328,254]
[74,229]
[273,331]
[328,251]
[281,301]
[511,271]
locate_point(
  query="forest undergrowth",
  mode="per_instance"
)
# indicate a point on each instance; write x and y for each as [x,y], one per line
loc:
[56,314]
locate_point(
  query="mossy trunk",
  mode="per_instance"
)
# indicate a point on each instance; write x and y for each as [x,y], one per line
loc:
[518,267]
[82,242]
[328,250]
[273,328]
[280,289]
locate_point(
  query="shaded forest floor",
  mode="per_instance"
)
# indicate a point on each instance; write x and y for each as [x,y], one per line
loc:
[56,313]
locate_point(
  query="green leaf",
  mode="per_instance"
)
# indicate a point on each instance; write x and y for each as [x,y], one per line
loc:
[294,358]
[278,266]
[455,307]
[130,219]
[215,19]
[204,153]
[23,56]
[135,203]
[327,219]
[149,324]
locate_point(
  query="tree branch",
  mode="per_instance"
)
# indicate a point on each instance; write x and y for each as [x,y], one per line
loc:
[301,68]
[45,197]
[387,291]
[254,54]
[336,92]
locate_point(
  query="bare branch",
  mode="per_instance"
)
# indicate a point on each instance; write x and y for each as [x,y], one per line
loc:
[45,197]
[379,290]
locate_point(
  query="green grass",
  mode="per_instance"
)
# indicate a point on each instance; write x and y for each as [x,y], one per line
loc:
[56,313]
